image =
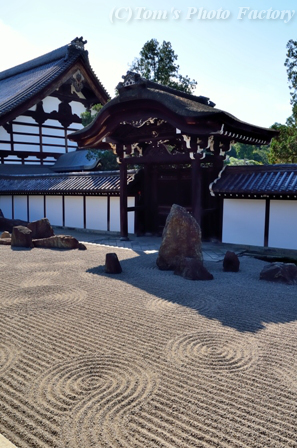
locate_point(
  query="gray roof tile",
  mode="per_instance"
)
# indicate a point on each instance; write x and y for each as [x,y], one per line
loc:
[92,183]
[257,181]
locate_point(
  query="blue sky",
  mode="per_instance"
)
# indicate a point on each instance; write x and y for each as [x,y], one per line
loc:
[238,63]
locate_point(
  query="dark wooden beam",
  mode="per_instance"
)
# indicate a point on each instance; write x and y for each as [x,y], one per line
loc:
[123,202]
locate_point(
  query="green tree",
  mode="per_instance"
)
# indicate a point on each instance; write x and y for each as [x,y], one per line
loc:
[244,154]
[89,115]
[291,65]
[108,160]
[284,146]
[157,62]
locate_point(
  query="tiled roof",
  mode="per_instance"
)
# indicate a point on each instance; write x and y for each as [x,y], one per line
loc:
[93,183]
[75,161]
[21,83]
[183,111]
[257,181]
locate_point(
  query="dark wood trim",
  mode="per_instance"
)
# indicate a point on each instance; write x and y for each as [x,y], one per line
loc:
[196,190]
[63,210]
[108,213]
[28,208]
[85,211]
[267,221]
[12,206]
[123,201]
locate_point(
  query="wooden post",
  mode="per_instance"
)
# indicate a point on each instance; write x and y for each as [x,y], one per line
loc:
[123,201]
[196,189]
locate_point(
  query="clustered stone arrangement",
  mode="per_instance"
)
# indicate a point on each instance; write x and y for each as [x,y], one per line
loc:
[35,234]
[181,252]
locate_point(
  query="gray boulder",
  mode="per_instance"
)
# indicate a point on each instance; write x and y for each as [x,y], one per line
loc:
[41,228]
[21,237]
[231,262]
[280,272]
[58,242]
[193,269]
[181,239]
[112,264]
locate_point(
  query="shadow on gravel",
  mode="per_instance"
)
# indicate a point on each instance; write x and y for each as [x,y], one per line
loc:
[238,300]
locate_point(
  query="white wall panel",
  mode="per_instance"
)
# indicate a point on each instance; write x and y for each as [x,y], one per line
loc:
[4,135]
[115,224]
[131,216]
[24,119]
[74,211]
[36,207]
[6,206]
[50,104]
[243,221]
[96,213]
[283,224]
[54,210]
[20,207]
[77,107]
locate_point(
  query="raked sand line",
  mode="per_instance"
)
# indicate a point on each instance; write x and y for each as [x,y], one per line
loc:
[143,359]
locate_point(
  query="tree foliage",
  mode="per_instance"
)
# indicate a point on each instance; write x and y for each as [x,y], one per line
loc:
[291,65]
[89,115]
[157,62]
[284,146]
[244,154]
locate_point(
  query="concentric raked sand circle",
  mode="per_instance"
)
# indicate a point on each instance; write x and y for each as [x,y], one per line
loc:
[215,352]
[35,297]
[95,392]
[41,278]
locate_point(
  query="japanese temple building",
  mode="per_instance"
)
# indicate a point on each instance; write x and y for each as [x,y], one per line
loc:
[41,173]
[180,141]
[171,148]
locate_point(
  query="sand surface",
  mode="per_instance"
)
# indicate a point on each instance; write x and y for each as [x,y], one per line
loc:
[144,358]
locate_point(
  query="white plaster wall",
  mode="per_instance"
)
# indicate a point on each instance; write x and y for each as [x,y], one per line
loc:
[20,207]
[244,221]
[283,224]
[36,208]
[74,211]
[6,206]
[54,210]
[77,107]
[25,119]
[115,223]
[59,132]
[5,146]
[50,104]
[24,138]
[131,215]
[96,213]
[4,135]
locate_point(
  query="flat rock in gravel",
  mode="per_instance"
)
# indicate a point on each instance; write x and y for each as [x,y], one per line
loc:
[280,272]
[57,242]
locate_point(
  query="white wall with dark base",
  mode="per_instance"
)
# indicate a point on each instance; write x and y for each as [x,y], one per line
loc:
[243,221]
[283,224]
[100,213]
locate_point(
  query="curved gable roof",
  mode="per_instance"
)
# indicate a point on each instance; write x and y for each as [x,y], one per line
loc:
[141,99]
[20,86]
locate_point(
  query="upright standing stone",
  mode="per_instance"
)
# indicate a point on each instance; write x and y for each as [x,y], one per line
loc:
[181,239]
[231,262]
[112,264]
